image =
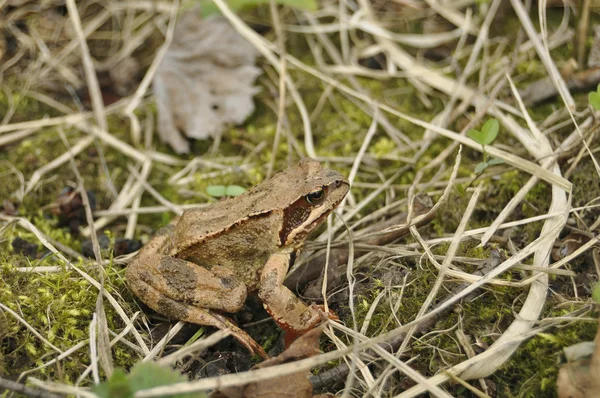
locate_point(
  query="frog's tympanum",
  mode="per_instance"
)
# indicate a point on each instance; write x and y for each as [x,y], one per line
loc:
[212,258]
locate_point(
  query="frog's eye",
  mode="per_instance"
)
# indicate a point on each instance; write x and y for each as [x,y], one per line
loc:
[316,197]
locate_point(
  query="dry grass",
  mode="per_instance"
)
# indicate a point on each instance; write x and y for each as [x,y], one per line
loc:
[479,79]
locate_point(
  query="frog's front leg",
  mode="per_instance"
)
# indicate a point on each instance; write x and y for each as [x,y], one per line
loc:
[290,313]
[183,290]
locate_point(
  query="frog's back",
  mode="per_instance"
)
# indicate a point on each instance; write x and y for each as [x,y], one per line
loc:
[271,195]
[196,225]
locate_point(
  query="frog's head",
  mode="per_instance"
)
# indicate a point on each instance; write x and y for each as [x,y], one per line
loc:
[318,191]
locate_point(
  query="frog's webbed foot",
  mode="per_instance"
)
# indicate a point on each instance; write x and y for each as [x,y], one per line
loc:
[323,316]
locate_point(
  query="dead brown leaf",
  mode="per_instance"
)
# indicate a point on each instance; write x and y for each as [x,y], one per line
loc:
[295,385]
[205,81]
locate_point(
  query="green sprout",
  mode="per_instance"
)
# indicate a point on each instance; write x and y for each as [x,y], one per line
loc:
[594,98]
[486,136]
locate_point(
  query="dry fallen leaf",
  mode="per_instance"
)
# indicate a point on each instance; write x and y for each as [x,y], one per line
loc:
[205,81]
[295,385]
[580,377]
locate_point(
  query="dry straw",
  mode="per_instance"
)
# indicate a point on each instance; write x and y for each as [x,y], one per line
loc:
[536,157]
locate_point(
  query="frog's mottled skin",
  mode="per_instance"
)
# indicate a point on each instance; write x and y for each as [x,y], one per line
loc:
[213,257]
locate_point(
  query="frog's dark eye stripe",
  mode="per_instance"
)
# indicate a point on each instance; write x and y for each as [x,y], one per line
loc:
[298,212]
[316,197]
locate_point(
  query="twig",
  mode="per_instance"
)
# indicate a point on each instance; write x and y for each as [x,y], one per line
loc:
[147,80]
[26,390]
[339,256]
[31,328]
[92,85]
[282,76]
[88,67]
[337,374]
[543,89]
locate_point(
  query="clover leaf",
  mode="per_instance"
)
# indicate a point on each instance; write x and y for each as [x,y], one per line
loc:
[487,135]
[488,132]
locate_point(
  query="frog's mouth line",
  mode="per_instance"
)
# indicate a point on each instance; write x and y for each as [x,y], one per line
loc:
[321,219]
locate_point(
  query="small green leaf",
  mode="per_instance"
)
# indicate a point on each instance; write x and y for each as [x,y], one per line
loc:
[495,161]
[596,293]
[216,191]
[195,337]
[147,375]
[476,136]
[490,131]
[234,190]
[480,167]
[143,375]
[594,98]
[116,386]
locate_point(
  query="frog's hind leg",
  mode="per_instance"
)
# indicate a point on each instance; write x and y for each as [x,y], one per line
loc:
[185,282]
[201,316]
[183,290]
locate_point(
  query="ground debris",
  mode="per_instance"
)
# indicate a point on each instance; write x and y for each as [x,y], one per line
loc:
[25,248]
[121,246]
[568,245]
[544,89]
[70,210]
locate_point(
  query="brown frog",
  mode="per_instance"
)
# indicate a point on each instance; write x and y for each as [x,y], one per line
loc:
[212,258]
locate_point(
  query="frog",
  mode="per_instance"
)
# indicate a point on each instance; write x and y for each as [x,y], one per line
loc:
[206,263]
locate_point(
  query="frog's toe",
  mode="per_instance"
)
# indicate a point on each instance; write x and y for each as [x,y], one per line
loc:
[325,315]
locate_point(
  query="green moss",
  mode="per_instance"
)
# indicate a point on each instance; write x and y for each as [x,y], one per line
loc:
[532,371]
[447,221]
[22,106]
[59,305]
[585,183]
[383,146]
